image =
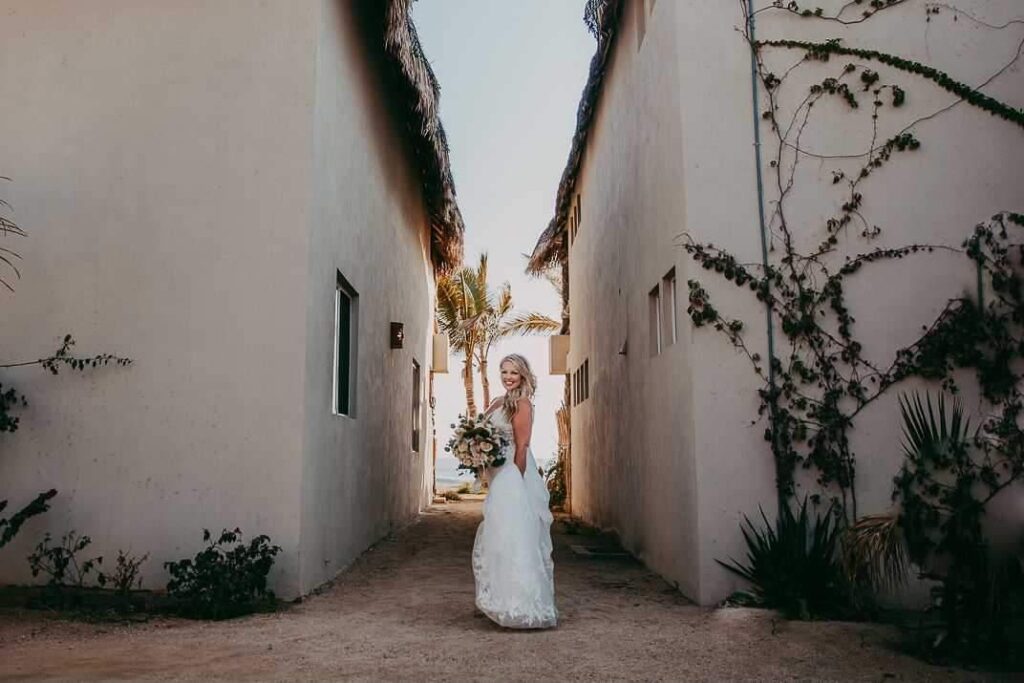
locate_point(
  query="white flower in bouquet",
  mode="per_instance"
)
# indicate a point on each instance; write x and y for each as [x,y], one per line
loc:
[477,443]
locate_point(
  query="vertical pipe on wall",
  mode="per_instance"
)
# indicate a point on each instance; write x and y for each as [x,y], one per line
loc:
[760,205]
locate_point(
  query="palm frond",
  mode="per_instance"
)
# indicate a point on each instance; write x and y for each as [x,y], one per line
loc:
[527,323]
[503,306]
[931,432]
[874,554]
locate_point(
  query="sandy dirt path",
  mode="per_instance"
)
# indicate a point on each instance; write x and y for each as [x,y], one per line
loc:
[404,611]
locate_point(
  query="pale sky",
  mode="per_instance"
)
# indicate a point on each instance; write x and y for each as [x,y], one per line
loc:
[511,75]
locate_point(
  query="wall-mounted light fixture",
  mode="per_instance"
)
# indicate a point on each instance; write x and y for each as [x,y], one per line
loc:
[397,335]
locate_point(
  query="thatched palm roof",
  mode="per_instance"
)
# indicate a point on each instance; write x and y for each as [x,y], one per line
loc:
[415,93]
[602,18]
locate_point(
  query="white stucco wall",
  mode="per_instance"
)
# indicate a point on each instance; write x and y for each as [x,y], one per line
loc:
[361,477]
[192,175]
[664,451]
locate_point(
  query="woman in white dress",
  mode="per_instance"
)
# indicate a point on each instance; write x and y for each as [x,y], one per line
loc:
[515,576]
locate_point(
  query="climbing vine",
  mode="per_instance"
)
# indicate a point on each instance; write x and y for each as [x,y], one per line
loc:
[819,380]
[11,400]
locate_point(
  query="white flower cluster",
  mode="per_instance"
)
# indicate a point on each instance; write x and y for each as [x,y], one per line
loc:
[478,443]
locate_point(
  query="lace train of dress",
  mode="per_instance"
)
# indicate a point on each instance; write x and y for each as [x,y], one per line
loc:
[515,575]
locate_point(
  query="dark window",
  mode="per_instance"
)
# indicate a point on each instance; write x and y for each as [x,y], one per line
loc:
[575,214]
[654,326]
[586,379]
[416,403]
[670,331]
[346,311]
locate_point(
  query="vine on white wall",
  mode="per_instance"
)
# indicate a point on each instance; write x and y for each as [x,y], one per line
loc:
[819,379]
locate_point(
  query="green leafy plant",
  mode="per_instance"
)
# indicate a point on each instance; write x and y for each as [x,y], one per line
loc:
[62,563]
[222,582]
[793,565]
[127,575]
[9,526]
[947,480]
[10,399]
[555,479]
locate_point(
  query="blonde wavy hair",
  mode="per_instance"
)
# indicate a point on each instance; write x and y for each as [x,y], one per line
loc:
[526,387]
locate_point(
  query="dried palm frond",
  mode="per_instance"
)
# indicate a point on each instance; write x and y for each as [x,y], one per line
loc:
[873,552]
[414,88]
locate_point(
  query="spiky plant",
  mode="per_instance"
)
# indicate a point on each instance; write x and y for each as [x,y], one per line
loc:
[943,488]
[934,495]
[793,565]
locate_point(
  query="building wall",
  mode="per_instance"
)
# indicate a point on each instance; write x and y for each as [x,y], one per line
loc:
[191,176]
[361,477]
[634,469]
[669,457]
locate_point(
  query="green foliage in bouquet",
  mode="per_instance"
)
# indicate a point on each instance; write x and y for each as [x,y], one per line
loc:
[223,582]
[477,443]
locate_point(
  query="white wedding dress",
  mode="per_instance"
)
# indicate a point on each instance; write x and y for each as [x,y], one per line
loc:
[515,576]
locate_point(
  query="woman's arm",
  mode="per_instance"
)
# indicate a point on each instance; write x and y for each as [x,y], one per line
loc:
[522,426]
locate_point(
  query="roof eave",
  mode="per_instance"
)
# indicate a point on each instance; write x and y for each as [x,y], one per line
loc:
[602,17]
[418,99]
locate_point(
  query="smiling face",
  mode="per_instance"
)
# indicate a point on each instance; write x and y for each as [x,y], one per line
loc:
[510,377]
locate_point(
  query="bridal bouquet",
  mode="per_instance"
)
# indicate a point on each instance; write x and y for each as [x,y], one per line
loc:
[478,443]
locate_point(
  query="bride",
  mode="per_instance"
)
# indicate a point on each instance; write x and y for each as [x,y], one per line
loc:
[515,583]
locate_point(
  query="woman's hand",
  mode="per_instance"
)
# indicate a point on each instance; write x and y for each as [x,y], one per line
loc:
[522,426]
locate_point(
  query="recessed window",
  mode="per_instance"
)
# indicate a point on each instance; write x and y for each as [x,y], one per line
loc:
[586,379]
[654,326]
[669,332]
[575,214]
[579,211]
[346,316]
[416,405]
[581,383]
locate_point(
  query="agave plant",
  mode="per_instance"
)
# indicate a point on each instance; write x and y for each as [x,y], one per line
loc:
[793,565]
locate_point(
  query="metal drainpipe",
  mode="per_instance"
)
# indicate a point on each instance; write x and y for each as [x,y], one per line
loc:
[760,198]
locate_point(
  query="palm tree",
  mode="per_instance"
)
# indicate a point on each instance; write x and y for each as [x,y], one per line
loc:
[499,322]
[462,301]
